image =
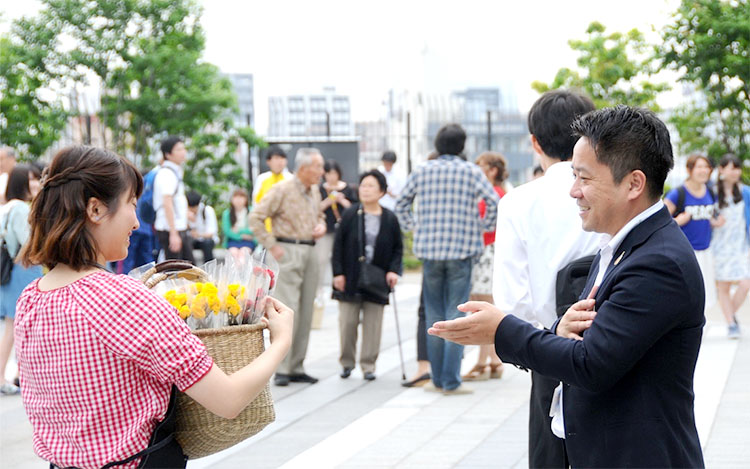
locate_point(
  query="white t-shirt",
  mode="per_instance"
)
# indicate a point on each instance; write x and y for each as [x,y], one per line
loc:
[396,182]
[205,222]
[538,232]
[166,183]
[3,183]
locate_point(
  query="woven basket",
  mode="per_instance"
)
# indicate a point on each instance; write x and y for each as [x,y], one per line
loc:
[200,432]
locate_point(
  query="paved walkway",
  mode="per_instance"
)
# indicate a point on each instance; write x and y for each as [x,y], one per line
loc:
[353,423]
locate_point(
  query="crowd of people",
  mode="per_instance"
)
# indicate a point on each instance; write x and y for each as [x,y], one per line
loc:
[616,344]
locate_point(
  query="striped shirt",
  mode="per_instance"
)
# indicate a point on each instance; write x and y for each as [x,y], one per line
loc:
[97,360]
[446,220]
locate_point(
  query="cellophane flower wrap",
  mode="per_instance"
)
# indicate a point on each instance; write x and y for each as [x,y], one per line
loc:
[235,291]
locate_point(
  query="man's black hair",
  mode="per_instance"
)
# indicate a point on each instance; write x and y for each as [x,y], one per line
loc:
[450,140]
[626,139]
[550,118]
[193,199]
[275,151]
[389,156]
[377,175]
[167,145]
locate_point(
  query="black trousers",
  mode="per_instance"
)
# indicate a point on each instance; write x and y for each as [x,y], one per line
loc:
[206,245]
[185,254]
[421,330]
[545,449]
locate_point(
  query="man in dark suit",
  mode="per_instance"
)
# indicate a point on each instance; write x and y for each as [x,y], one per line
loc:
[627,353]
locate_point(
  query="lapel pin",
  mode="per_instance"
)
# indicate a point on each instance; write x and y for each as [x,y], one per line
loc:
[617,261]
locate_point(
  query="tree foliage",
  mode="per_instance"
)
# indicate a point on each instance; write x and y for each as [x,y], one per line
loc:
[613,69]
[145,56]
[708,43]
[29,122]
[213,169]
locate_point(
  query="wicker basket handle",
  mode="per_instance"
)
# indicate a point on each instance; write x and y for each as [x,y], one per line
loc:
[173,268]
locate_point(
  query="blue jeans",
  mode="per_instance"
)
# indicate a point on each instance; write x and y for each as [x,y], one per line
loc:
[140,251]
[446,285]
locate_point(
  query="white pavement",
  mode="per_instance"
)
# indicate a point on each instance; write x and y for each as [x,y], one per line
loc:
[355,423]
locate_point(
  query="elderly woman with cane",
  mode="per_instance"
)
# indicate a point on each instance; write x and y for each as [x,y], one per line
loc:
[367,234]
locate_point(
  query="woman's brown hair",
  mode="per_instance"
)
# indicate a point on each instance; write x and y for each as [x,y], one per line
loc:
[495,160]
[692,159]
[58,214]
[726,160]
[241,192]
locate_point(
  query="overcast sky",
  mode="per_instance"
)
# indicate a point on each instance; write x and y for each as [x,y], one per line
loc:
[366,48]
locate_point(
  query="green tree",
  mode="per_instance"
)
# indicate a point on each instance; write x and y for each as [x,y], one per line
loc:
[29,122]
[146,57]
[708,43]
[213,169]
[613,69]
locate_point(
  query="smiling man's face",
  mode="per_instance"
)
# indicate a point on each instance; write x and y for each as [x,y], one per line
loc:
[601,202]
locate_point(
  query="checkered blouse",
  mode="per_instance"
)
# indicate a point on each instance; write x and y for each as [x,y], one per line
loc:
[97,360]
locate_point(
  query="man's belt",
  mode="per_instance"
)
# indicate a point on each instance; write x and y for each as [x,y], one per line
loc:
[308,242]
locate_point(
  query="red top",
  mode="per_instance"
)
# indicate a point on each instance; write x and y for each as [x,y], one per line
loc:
[97,360]
[489,236]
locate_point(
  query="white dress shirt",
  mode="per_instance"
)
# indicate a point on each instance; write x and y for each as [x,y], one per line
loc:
[166,183]
[609,245]
[538,232]
[205,222]
[396,182]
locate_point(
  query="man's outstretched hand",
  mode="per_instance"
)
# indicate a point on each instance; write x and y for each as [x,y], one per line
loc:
[477,328]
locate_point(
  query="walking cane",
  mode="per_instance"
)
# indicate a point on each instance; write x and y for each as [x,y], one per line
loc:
[398,336]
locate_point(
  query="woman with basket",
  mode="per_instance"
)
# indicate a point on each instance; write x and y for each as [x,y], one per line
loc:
[99,353]
[367,252]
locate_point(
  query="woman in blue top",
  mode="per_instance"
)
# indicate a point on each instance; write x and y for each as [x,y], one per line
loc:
[693,207]
[731,242]
[14,229]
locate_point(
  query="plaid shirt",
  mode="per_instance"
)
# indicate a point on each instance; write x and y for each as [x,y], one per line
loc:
[447,224]
[97,360]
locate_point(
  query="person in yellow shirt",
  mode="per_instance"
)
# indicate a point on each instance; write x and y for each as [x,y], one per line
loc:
[276,161]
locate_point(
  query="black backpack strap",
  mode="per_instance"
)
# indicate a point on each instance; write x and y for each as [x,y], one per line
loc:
[681,194]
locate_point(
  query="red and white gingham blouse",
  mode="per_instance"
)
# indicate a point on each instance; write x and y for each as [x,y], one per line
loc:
[97,360]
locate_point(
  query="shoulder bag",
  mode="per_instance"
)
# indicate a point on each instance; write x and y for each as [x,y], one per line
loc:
[6,262]
[371,277]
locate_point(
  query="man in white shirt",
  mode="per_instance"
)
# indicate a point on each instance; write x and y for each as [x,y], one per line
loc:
[538,233]
[170,203]
[203,226]
[395,180]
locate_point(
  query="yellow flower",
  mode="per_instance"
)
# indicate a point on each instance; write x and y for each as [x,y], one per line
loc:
[209,289]
[181,298]
[198,286]
[234,289]
[200,300]
[184,312]
[169,295]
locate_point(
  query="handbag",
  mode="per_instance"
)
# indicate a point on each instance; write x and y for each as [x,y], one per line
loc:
[571,280]
[6,262]
[371,277]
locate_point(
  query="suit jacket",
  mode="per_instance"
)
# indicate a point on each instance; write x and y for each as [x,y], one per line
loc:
[628,385]
[349,243]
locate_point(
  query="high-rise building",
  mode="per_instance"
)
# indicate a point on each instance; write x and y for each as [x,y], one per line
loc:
[326,114]
[243,87]
[491,121]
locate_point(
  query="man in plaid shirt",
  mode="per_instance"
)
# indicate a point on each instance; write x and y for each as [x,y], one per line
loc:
[447,238]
